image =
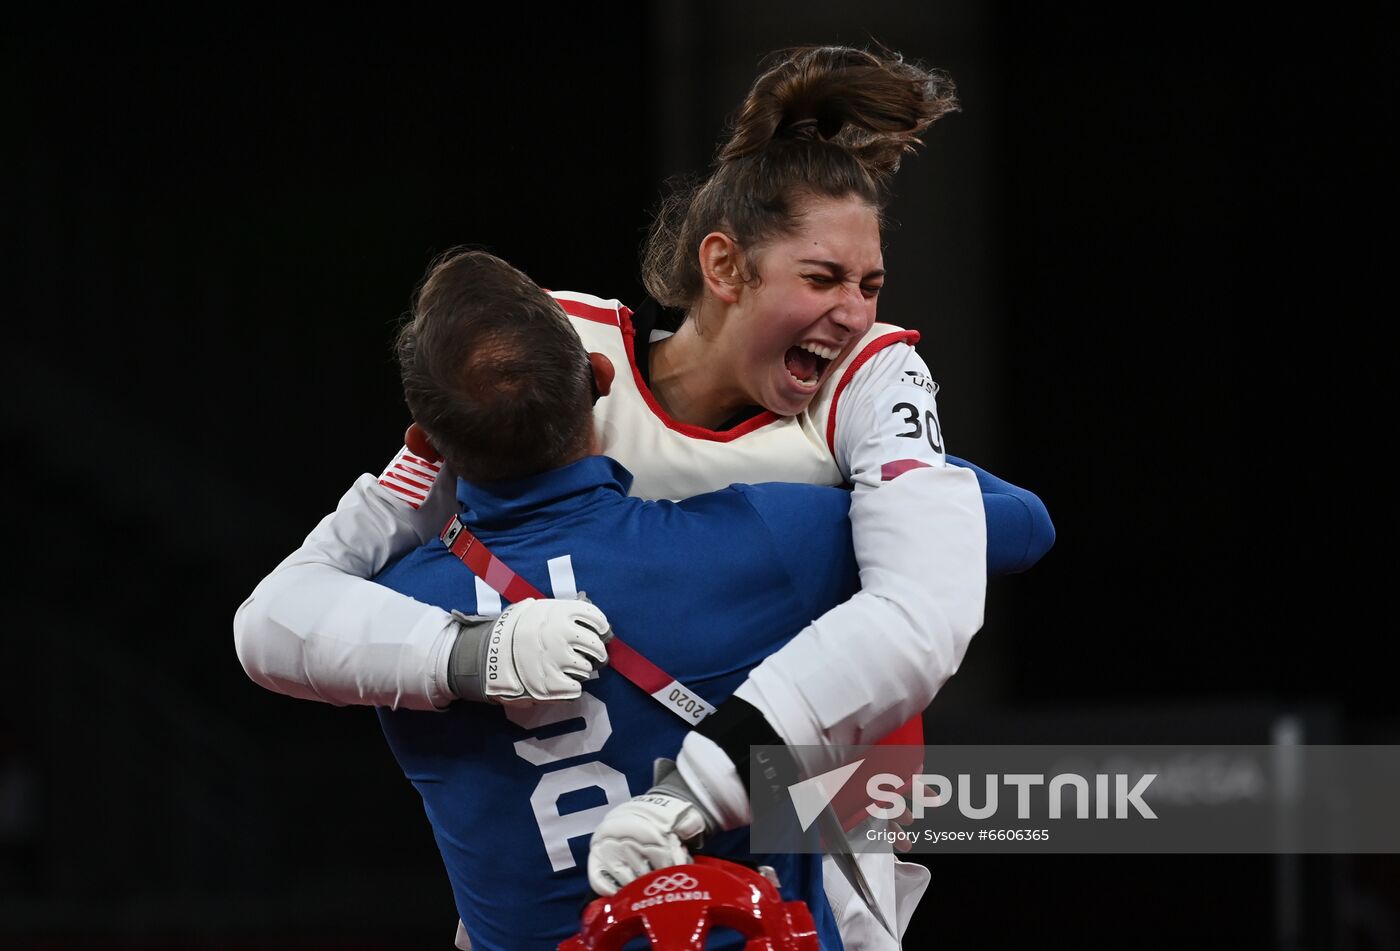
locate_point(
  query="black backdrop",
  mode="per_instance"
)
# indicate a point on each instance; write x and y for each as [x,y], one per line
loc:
[1149,261]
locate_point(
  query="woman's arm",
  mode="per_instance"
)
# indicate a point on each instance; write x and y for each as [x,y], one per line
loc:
[887,420]
[919,531]
[316,629]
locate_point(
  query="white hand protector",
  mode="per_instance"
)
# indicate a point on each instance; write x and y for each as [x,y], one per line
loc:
[537,650]
[645,833]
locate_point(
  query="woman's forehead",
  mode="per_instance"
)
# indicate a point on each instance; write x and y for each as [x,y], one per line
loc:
[845,232]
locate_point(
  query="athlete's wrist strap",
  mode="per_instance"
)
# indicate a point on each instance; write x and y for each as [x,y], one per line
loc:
[738,725]
[667,780]
[465,663]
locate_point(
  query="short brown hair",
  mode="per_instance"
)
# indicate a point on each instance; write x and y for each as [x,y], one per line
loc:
[492,370]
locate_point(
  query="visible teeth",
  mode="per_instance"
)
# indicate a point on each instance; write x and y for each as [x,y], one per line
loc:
[812,383]
[826,353]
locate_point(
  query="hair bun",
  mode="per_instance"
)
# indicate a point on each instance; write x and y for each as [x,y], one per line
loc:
[806,129]
[876,105]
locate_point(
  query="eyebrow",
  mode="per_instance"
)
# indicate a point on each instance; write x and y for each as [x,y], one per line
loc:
[838,269]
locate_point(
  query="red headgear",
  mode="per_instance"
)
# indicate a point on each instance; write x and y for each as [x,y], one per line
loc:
[676,907]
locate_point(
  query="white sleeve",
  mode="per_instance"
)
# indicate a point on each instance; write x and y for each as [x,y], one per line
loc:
[315,629]
[868,665]
[888,418]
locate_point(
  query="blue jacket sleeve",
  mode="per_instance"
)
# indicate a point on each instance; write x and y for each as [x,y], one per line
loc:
[810,530]
[1019,530]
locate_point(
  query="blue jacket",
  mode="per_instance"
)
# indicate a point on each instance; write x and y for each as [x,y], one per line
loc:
[705,588]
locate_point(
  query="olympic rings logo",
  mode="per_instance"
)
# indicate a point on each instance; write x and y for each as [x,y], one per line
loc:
[669,883]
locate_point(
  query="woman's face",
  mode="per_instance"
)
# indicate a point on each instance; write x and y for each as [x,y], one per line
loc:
[814,298]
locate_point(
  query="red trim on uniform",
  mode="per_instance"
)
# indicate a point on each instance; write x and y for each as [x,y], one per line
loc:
[399,482]
[434,466]
[403,492]
[629,335]
[910,337]
[410,473]
[397,472]
[600,315]
[404,478]
[893,470]
[406,495]
[399,489]
[426,479]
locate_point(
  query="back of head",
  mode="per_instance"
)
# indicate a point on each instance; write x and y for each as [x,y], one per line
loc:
[493,371]
[819,122]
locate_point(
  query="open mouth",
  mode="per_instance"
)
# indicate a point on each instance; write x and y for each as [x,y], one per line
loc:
[806,362]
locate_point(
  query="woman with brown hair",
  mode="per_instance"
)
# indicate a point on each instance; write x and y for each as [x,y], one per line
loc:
[777,372]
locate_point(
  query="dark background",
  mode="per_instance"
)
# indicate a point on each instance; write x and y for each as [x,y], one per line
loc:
[1150,261]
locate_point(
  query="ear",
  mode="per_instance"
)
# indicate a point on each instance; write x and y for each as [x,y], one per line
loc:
[603,373]
[419,444]
[721,266]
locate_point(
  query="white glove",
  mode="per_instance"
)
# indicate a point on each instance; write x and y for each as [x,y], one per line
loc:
[645,833]
[537,650]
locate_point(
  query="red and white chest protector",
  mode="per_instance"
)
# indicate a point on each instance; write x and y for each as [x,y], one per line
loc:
[673,460]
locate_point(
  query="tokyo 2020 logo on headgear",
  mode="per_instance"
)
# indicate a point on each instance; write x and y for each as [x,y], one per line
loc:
[675,908]
[669,883]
